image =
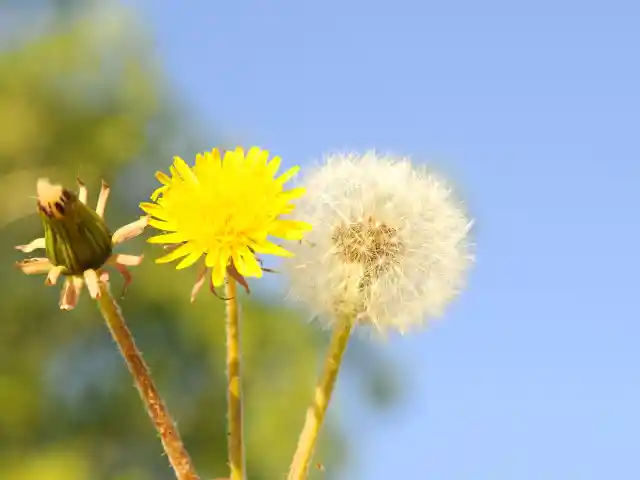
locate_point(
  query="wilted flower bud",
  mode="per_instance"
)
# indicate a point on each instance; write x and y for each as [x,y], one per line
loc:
[76,238]
[77,241]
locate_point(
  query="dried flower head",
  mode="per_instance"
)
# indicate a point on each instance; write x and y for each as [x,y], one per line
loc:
[224,209]
[77,242]
[389,246]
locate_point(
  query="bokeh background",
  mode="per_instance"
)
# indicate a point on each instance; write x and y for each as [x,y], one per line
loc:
[530,107]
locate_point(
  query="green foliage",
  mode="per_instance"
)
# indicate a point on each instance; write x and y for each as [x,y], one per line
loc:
[81,100]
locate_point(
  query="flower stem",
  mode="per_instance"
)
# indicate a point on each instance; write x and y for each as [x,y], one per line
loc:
[234,385]
[324,389]
[173,446]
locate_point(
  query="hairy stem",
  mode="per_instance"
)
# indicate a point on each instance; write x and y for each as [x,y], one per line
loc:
[173,446]
[324,389]
[234,385]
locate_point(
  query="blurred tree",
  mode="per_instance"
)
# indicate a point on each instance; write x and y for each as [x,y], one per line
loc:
[82,97]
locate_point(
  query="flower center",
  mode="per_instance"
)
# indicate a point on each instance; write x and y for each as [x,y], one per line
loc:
[370,243]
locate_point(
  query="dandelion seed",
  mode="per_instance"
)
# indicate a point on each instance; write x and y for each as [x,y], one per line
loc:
[77,242]
[224,209]
[390,242]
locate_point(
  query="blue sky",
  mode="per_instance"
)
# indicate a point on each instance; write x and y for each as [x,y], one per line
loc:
[533,109]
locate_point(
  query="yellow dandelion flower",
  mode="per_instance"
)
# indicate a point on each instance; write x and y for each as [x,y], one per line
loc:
[225,208]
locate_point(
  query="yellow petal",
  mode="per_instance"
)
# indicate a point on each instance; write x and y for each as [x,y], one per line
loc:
[209,167]
[215,156]
[179,252]
[266,247]
[172,237]
[163,178]
[153,209]
[289,229]
[287,209]
[224,257]
[263,158]
[201,163]
[218,264]
[157,192]
[239,151]
[254,156]
[217,276]
[288,175]
[233,158]
[273,166]
[212,258]
[184,170]
[246,264]
[292,194]
[163,225]
[189,259]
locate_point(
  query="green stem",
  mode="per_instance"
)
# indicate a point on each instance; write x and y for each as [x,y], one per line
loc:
[324,389]
[173,446]
[234,385]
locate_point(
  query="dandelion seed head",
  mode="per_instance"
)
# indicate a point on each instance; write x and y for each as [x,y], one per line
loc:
[389,246]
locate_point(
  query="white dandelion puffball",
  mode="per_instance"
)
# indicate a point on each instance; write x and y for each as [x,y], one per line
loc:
[389,245]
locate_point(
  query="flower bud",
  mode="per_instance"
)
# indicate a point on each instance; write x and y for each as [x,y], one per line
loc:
[76,238]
